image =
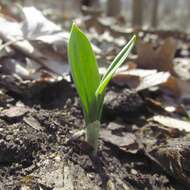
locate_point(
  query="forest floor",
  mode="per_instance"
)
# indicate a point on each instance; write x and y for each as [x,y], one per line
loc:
[38,151]
[145,134]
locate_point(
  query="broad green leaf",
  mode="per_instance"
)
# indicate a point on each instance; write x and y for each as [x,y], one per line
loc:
[120,58]
[84,68]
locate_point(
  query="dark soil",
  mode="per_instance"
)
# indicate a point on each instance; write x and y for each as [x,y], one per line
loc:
[37,150]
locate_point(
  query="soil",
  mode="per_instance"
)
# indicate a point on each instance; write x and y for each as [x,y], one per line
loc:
[38,151]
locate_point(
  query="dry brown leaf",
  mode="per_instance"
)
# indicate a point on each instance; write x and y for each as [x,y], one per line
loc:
[124,79]
[160,58]
[178,88]
[184,87]
[171,87]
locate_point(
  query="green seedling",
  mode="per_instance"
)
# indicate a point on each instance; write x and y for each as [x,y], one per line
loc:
[88,82]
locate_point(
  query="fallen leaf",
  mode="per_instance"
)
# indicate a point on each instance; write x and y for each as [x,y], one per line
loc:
[182,67]
[36,25]
[124,140]
[38,39]
[127,80]
[160,59]
[184,87]
[178,89]
[172,122]
[167,106]
[171,88]
[31,121]
[168,148]
[140,79]
[14,112]
[153,80]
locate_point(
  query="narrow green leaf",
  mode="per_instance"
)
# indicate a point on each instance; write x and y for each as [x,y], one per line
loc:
[120,58]
[84,68]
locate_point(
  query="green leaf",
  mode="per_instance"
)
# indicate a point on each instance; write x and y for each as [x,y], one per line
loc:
[84,68]
[119,59]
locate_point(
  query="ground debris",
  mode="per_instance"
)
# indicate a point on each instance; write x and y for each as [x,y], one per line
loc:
[172,122]
[123,103]
[144,139]
[123,140]
[14,112]
[170,152]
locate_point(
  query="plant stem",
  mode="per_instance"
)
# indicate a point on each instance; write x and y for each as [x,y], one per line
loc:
[92,135]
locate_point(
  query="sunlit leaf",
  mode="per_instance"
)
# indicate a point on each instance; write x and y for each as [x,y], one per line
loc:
[88,83]
[84,68]
[120,58]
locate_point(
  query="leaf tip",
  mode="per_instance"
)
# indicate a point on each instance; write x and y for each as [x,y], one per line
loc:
[74,27]
[134,38]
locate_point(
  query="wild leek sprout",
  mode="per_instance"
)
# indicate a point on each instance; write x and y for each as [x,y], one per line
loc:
[88,82]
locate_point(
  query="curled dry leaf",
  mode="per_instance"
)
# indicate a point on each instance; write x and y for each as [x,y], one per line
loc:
[36,25]
[38,40]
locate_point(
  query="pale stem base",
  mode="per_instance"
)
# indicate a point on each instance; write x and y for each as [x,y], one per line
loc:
[92,135]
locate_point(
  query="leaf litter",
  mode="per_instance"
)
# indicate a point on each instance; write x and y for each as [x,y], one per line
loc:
[145,129]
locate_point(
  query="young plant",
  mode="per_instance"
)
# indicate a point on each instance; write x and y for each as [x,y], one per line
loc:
[88,82]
